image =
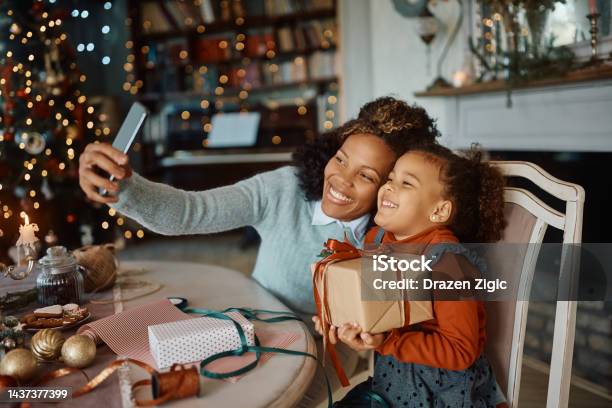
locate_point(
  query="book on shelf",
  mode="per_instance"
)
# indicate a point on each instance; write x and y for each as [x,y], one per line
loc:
[284,7]
[254,7]
[238,9]
[259,42]
[285,39]
[326,111]
[225,12]
[166,16]
[322,64]
[330,32]
[177,51]
[158,21]
[207,11]
[300,38]
[307,35]
[252,75]
[206,79]
[321,4]
[187,13]
[211,50]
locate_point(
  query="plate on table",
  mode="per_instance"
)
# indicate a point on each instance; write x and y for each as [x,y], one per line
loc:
[62,327]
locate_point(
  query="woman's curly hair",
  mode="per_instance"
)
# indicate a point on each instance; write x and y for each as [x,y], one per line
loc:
[476,190]
[399,124]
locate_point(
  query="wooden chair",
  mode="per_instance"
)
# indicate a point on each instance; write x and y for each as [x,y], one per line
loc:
[528,217]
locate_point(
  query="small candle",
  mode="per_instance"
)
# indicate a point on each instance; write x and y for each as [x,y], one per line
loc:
[593,6]
[460,79]
[27,236]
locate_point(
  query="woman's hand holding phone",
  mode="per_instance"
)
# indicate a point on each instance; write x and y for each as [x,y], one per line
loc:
[102,156]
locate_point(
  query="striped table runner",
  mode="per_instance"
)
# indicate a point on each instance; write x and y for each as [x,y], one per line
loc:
[126,333]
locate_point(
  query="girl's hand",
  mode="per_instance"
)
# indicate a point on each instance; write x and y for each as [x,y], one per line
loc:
[352,336]
[333,337]
[112,161]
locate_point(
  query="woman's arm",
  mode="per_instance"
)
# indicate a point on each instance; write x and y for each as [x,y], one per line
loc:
[167,210]
[170,211]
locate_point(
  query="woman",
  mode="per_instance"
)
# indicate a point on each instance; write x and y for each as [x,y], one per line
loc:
[330,190]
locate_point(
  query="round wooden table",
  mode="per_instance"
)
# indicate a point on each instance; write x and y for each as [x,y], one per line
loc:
[279,382]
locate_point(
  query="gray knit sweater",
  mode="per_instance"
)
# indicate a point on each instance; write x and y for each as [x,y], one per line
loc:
[272,202]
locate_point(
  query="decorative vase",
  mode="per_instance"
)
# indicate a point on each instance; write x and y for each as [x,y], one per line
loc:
[536,22]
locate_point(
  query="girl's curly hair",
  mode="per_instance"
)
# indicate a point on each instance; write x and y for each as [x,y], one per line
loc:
[476,190]
[399,124]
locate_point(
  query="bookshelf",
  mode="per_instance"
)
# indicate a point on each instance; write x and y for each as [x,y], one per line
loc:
[192,59]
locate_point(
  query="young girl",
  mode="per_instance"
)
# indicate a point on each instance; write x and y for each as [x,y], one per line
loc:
[433,196]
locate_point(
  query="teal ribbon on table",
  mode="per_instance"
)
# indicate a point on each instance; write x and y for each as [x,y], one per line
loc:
[253,314]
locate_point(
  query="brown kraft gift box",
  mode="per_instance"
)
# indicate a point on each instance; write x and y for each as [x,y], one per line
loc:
[342,283]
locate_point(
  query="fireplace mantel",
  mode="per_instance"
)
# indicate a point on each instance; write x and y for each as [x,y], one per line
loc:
[564,116]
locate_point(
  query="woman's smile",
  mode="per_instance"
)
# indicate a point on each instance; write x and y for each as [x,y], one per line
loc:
[339,197]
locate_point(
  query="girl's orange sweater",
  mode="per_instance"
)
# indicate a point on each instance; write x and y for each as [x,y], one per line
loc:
[454,338]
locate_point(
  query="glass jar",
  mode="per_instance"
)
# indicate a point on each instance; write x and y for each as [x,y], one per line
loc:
[60,281]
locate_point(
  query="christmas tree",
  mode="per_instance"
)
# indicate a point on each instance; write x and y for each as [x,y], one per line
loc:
[45,122]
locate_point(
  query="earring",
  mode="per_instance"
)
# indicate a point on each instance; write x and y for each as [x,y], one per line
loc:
[433,218]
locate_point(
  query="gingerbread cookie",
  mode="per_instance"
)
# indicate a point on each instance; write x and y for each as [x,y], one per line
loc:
[49,311]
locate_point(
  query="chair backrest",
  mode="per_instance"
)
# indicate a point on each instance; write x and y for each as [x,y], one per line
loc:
[528,217]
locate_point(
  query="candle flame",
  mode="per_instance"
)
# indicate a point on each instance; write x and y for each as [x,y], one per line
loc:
[25,217]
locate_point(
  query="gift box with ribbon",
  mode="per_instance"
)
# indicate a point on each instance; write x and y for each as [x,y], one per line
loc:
[345,301]
[338,292]
[194,340]
[339,282]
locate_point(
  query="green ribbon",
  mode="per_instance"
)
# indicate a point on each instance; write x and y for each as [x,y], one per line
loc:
[373,396]
[253,314]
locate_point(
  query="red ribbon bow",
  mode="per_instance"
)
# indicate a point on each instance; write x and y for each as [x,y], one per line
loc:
[340,251]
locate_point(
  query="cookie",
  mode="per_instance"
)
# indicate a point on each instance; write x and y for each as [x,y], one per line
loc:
[70,308]
[49,311]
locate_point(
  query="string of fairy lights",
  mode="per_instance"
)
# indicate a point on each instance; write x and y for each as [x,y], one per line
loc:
[22,37]
[48,30]
[133,85]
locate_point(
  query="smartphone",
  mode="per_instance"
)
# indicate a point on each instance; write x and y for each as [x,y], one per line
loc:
[128,131]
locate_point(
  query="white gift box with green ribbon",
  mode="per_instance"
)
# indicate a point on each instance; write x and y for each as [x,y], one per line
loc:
[193,340]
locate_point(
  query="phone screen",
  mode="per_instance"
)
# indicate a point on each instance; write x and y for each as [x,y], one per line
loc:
[128,131]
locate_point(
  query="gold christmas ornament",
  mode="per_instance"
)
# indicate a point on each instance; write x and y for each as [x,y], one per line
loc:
[19,364]
[47,344]
[78,351]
